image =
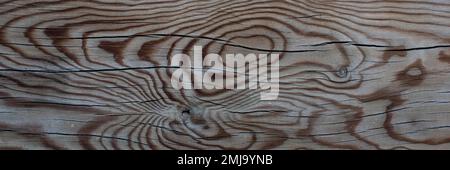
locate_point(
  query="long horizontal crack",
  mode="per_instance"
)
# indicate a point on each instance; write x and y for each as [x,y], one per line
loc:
[421,48]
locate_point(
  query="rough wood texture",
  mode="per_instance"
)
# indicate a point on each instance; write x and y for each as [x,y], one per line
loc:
[93,74]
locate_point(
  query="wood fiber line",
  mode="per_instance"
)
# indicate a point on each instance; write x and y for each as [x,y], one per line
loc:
[96,74]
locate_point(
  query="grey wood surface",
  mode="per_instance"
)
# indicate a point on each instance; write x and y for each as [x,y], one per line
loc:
[368,74]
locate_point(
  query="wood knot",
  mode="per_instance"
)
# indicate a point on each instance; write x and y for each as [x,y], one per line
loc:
[192,115]
[186,111]
[342,72]
[412,75]
[414,72]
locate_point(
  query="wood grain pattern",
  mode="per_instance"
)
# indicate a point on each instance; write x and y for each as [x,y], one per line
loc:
[93,74]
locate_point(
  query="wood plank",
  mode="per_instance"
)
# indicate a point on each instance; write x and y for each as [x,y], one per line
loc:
[369,74]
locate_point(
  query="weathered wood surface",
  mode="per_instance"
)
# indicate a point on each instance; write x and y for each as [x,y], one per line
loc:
[369,74]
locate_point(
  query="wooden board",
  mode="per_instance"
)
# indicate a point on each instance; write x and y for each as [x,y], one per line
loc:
[369,74]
